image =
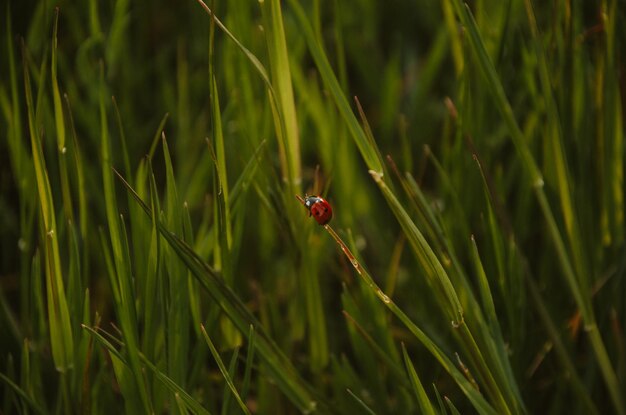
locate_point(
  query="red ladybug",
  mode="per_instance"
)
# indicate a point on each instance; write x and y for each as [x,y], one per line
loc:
[319,208]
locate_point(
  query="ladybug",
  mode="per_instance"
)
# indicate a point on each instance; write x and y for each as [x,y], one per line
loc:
[319,208]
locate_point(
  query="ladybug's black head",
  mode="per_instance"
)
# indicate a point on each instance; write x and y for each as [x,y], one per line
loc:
[311,200]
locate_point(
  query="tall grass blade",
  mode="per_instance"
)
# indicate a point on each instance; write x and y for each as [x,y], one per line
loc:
[281,79]
[368,152]
[178,316]
[125,304]
[425,254]
[224,371]
[424,403]
[366,409]
[61,338]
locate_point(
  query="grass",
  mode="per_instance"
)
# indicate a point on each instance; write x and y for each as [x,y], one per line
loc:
[155,258]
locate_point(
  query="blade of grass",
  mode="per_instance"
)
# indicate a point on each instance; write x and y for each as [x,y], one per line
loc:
[224,371]
[223,259]
[22,394]
[232,367]
[125,304]
[253,59]
[362,404]
[79,173]
[368,152]
[178,317]
[281,77]
[61,338]
[424,403]
[453,409]
[442,408]
[245,387]
[425,254]
[60,126]
[614,123]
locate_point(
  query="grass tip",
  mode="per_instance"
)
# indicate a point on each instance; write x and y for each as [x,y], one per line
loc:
[377,175]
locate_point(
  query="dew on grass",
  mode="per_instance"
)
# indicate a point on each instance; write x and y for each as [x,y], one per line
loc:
[384,297]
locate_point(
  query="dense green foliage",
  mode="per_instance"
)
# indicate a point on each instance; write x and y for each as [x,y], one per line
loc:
[155,259]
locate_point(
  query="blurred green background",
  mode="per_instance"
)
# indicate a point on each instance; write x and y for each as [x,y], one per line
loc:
[154,257]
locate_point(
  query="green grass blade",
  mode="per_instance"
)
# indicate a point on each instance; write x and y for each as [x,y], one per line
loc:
[224,235]
[317,326]
[614,124]
[245,386]
[61,338]
[366,409]
[224,371]
[368,152]
[125,306]
[220,161]
[453,409]
[442,408]
[178,317]
[14,121]
[22,394]
[424,252]
[253,59]
[483,288]
[424,403]
[179,392]
[56,95]
[232,367]
[281,77]
[79,172]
